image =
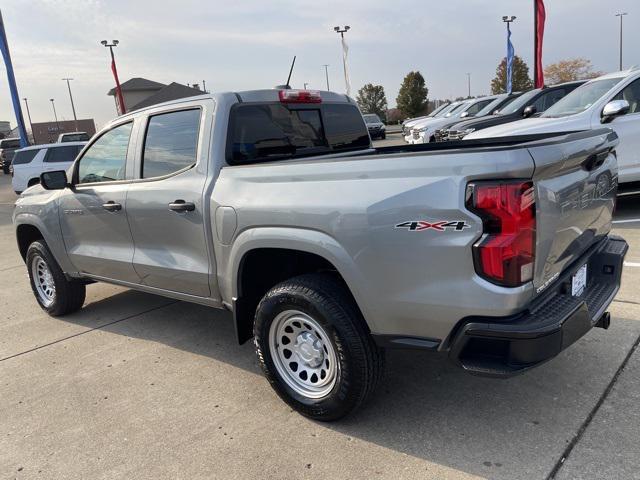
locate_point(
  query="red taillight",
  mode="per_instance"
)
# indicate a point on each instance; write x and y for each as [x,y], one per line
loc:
[300,96]
[506,252]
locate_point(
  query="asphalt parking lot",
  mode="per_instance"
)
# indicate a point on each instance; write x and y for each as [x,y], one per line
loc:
[138,386]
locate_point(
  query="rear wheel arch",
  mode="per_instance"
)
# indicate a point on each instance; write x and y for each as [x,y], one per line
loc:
[260,269]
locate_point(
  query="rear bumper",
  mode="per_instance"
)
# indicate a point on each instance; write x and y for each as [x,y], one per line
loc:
[502,347]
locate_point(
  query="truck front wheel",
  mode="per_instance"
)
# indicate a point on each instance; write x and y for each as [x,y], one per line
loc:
[54,293]
[314,348]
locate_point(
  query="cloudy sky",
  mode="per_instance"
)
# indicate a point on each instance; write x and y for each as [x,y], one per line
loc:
[248,44]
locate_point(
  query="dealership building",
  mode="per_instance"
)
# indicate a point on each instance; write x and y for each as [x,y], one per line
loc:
[47,132]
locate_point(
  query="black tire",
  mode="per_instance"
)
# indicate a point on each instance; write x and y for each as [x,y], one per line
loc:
[5,170]
[69,295]
[360,361]
[384,136]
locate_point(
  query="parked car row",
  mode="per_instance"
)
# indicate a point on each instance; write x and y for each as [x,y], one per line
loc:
[612,100]
[467,116]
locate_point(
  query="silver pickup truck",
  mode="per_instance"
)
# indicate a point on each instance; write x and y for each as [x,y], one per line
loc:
[273,205]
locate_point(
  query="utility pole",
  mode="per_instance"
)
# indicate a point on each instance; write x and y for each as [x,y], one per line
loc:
[26,104]
[114,43]
[55,115]
[204,86]
[326,74]
[73,108]
[342,31]
[469,83]
[621,15]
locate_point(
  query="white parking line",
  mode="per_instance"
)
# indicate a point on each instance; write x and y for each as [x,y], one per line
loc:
[631,264]
[632,220]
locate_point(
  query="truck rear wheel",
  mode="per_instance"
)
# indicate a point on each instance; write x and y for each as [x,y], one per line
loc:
[314,348]
[55,294]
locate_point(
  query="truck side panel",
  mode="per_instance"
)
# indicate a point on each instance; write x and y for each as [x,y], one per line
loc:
[368,207]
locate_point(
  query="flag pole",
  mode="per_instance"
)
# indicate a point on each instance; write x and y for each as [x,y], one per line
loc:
[535,42]
[15,99]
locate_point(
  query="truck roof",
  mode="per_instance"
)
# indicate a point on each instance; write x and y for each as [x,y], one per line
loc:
[264,95]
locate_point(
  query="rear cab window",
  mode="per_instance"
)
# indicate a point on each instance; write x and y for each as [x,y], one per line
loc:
[10,143]
[263,132]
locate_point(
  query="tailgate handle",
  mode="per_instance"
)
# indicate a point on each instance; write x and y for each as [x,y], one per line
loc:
[595,161]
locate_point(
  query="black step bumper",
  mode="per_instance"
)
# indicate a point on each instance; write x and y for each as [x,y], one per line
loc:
[502,347]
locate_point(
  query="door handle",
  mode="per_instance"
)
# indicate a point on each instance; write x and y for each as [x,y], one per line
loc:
[112,206]
[182,206]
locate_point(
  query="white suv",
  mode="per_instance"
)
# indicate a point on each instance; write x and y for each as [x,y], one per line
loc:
[28,163]
[612,100]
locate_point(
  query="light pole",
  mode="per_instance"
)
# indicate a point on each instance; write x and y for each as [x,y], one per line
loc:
[326,74]
[621,15]
[469,83]
[510,52]
[55,115]
[26,104]
[73,107]
[305,85]
[114,43]
[342,31]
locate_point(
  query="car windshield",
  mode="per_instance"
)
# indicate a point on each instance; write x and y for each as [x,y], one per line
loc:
[457,109]
[371,118]
[582,98]
[522,101]
[438,111]
[490,107]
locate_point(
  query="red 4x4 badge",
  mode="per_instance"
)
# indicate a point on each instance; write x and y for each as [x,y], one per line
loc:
[440,226]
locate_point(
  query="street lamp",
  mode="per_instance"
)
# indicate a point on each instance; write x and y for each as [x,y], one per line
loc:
[55,115]
[469,83]
[305,85]
[73,108]
[342,31]
[621,15]
[120,98]
[326,74]
[26,104]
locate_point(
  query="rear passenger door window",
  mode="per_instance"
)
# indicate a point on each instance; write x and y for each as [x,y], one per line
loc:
[171,143]
[106,159]
[62,154]
[548,100]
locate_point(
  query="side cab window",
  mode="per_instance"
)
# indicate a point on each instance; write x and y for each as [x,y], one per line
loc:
[106,159]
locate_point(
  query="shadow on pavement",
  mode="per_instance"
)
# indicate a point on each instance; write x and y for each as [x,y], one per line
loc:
[425,407]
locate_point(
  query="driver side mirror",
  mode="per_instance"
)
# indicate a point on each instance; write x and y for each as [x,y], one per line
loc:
[530,111]
[464,114]
[55,180]
[614,109]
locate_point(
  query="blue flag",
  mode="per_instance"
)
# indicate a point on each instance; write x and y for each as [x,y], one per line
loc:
[15,98]
[510,55]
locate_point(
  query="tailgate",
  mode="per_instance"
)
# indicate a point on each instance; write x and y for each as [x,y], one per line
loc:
[575,178]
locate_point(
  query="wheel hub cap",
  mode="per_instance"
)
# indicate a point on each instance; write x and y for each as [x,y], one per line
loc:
[303,354]
[309,349]
[43,281]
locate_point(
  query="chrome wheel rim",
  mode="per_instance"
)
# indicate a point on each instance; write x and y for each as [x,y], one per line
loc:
[303,354]
[43,280]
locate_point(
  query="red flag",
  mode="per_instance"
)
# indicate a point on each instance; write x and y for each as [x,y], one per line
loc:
[119,97]
[540,17]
